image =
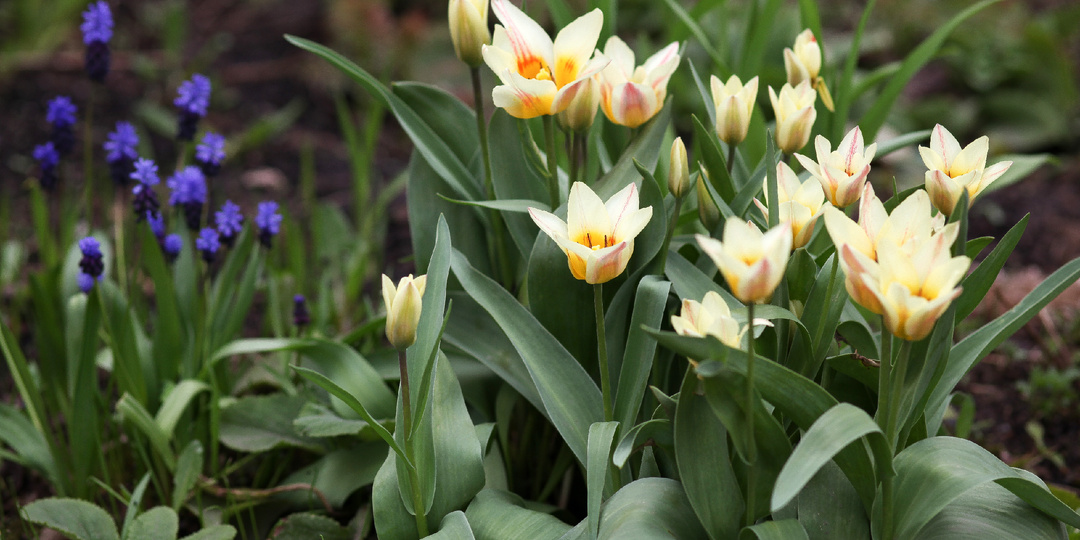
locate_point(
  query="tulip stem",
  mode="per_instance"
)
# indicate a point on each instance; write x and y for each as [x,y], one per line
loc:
[572,153]
[498,252]
[670,233]
[552,162]
[601,345]
[751,442]
[883,419]
[414,477]
[730,157]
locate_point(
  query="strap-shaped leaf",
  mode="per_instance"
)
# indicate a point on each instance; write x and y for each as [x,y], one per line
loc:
[649,305]
[978,282]
[991,511]
[596,471]
[658,429]
[648,509]
[454,526]
[499,515]
[785,529]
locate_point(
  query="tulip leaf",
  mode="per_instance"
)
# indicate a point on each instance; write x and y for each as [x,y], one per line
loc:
[430,327]
[978,282]
[499,515]
[990,511]
[455,526]
[705,91]
[648,509]
[828,507]
[701,452]
[637,361]
[896,143]
[714,160]
[515,177]
[645,148]
[762,21]
[562,303]
[874,118]
[570,397]
[714,54]
[840,426]
[392,520]
[844,94]
[1022,166]
[657,430]
[934,472]
[453,122]
[784,529]
[601,435]
[517,206]
[981,342]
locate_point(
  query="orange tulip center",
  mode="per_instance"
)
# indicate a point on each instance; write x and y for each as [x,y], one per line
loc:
[590,241]
[530,67]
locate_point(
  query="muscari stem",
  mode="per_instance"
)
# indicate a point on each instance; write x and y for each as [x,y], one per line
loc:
[500,258]
[601,345]
[552,162]
[414,476]
[751,443]
[88,161]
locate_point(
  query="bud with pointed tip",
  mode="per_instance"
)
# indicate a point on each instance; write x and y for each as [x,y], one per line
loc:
[734,104]
[469,29]
[403,304]
[795,115]
[678,178]
[708,212]
[803,62]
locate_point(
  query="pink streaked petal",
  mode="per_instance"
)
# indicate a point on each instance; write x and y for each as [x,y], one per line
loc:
[574,45]
[586,214]
[527,38]
[549,223]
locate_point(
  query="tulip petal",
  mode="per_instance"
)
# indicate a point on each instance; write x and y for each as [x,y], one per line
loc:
[844,231]
[971,158]
[549,223]
[633,104]
[574,45]
[586,215]
[524,98]
[606,264]
[529,43]
[388,292]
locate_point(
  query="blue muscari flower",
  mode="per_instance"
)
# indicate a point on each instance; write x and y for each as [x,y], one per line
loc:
[145,201]
[188,192]
[120,152]
[92,262]
[193,101]
[301,317]
[97,23]
[210,153]
[207,243]
[171,246]
[47,158]
[60,113]
[97,29]
[157,224]
[229,222]
[85,282]
[268,222]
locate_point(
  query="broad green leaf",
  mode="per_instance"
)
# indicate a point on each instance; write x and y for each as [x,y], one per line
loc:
[214,532]
[459,464]
[599,463]
[500,515]
[562,303]
[515,178]
[658,430]
[715,162]
[645,149]
[934,472]
[336,475]
[392,520]
[981,342]
[704,462]
[454,526]
[158,523]
[990,511]
[828,507]
[978,282]
[785,529]
[335,390]
[650,509]
[73,517]
[188,468]
[649,305]
[260,423]
[874,118]
[840,426]
[570,397]
[304,526]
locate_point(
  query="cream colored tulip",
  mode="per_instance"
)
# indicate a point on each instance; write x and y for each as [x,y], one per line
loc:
[469,29]
[629,94]
[752,262]
[841,173]
[952,170]
[710,317]
[597,237]
[540,76]
[403,306]
[795,115]
[678,169]
[581,112]
[800,203]
[734,103]
[803,63]
[708,212]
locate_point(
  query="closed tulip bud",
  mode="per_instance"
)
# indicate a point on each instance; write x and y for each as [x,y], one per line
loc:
[952,170]
[734,104]
[708,212]
[469,29]
[580,114]
[678,178]
[630,95]
[795,115]
[803,62]
[403,305]
[752,262]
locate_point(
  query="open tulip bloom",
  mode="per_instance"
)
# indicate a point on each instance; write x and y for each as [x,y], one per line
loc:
[800,203]
[842,173]
[751,262]
[598,237]
[540,77]
[953,170]
[631,95]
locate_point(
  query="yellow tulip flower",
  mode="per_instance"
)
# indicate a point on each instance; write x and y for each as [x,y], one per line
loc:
[751,262]
[403,305]
[841,173]
[795,115]
[469,29]
[540,76]
[734,104]
[629,95]
[804,62]
[952,170]
[597,237]
[800,203]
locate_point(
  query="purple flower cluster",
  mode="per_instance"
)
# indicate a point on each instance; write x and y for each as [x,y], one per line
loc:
[97,29]
[92,263]
[301,317]
[171,246]
[145,201]
[189,193]
[208,244]
[210,153]
[229,222]
[193,100]
[268,222]
[48,158]
[60,113]
[120,152]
